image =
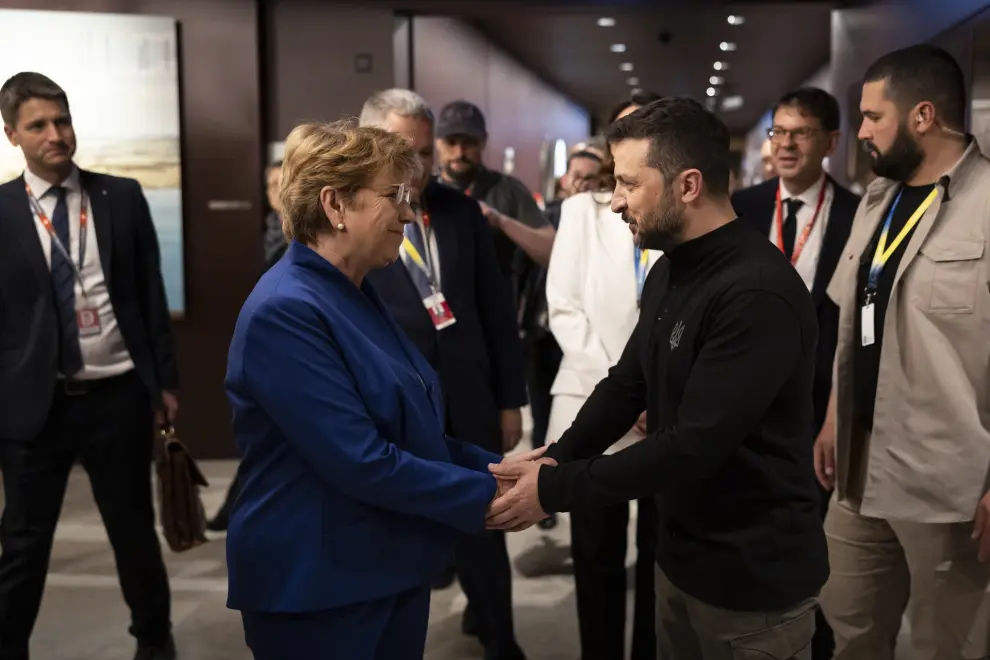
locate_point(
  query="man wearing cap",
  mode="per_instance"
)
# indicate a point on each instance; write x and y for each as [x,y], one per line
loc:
[516,221]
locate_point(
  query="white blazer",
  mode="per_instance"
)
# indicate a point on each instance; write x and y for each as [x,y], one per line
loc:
[591,297]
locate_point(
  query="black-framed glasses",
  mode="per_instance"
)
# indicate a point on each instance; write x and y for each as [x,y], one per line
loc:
[803,134]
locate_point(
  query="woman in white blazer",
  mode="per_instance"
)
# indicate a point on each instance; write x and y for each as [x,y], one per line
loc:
[593,284]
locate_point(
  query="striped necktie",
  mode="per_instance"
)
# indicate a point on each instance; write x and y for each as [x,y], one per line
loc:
[64,287]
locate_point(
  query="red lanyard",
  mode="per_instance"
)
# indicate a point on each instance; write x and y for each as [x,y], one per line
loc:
[799,246]
[56,241]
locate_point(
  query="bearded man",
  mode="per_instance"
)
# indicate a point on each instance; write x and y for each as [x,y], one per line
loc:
[722,359]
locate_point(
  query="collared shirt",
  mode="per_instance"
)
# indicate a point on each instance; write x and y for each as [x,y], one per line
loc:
[807,263]
[927,459]
[104,354]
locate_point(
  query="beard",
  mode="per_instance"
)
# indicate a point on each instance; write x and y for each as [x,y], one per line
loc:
[901,160]
[662,228]
[464,176]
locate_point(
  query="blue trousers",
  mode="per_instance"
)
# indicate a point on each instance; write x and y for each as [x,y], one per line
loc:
[391,628]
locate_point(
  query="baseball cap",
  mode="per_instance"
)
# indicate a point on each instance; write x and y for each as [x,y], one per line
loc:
[461,118]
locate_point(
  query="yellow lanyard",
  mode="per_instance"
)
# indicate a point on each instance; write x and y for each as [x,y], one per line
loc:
[883,251]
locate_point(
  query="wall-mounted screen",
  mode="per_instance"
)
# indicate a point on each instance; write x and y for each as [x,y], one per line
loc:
[121,74]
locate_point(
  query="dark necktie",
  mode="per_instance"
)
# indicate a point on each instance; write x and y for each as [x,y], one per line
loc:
[64,285]
[790,225]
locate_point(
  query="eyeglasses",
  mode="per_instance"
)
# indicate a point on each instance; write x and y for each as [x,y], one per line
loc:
[401,196]
[803,134]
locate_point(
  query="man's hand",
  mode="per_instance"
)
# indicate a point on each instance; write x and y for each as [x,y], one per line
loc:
[170,408]
[519,508]
[825,457]
[640,425]
[526,456]
[981,528]
[494,217]
[510,422]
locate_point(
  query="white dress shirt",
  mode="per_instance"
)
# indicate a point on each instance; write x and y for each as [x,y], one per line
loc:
[807,263]
[104,354]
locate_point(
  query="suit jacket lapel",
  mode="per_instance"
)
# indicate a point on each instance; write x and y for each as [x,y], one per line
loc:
[102,220]
[764,221]
[834,241]
[22,226]
[445,234]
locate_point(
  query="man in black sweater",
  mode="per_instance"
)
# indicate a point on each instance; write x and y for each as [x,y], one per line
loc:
[723,362]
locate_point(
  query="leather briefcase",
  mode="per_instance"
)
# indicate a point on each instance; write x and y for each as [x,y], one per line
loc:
[183,518]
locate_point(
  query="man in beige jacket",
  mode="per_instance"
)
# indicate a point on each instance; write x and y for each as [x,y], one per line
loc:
[907,440]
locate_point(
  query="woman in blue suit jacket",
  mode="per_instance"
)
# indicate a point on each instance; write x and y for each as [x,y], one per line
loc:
[352,495]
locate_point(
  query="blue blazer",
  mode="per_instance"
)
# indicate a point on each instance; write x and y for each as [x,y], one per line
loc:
[480,357]
[350,489]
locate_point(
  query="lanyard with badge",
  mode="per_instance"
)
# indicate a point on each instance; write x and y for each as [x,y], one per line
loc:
[433,299]
[87,317]
[880,258]
[641,262]
[779,216]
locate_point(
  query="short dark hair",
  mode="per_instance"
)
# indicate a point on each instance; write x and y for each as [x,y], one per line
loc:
[683,135]
[639,98]
[21,88]
[923,73]
[815,102]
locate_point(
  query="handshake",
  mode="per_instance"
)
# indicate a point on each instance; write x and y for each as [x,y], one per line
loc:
[516,505]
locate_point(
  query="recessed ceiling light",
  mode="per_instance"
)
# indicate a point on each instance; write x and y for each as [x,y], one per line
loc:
[720,66]
[711,91]
[732,102]
[618,48]
[626,66]
[606,21]
[727,46]
[735,19]
[638,90]
[716,80]
[632,81]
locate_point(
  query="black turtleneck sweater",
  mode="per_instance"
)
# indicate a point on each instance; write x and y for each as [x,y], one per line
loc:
[722,359]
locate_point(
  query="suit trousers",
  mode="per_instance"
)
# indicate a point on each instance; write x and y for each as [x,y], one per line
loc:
[599,537]
[109,430]
[392,628]
[880,568]
[483,568]
[690,629]
[542,360]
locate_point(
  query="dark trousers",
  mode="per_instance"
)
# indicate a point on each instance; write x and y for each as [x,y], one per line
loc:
[542,360]
[392,628]
[482,565]
[598,548]
[228,503]
[823,643]
[690,629]
[110,431]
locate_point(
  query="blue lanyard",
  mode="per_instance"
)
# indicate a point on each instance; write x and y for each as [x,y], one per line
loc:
[884,251]
[641,262]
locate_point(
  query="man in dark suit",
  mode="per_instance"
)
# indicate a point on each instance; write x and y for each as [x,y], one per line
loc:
[448,294]
[809,216]
[86,365]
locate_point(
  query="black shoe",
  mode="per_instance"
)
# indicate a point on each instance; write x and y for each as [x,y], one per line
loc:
[444,580]
[219,523]
[469,623]
[164,651]
[548,523]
